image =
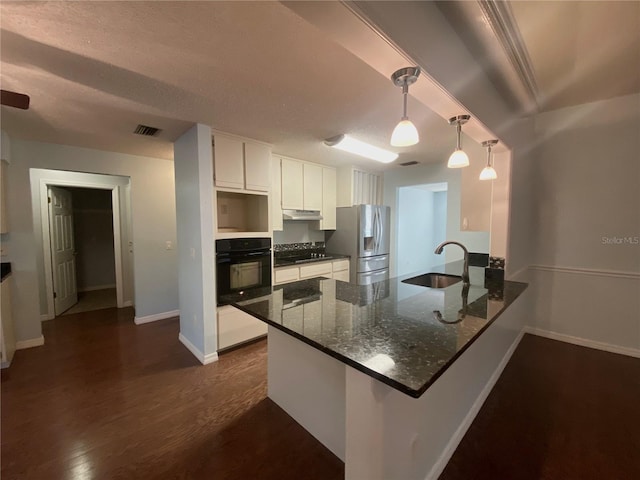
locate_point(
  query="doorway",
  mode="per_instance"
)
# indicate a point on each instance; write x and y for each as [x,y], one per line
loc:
[88,280]
[118,188]
[422,225]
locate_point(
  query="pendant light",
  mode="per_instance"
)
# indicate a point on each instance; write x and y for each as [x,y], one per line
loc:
[458,158]
[405,134]
[488,172]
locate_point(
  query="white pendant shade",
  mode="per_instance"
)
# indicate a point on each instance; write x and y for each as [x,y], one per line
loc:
[405,134]
[488,173]
[458,159]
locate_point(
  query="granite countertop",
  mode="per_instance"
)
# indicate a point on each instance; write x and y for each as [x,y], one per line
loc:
[328,257]
[387,330]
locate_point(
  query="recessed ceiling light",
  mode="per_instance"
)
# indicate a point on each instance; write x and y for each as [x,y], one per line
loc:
[357,147]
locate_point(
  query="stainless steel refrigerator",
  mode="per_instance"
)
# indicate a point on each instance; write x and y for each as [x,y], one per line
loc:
[362,231]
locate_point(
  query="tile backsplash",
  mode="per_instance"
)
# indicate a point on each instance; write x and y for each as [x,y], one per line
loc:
[288,247]
[497,262]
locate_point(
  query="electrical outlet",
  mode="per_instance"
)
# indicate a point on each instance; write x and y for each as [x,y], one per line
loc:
[169,245]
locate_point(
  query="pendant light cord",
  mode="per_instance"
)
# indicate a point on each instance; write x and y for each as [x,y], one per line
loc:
[405,92]
[459,139]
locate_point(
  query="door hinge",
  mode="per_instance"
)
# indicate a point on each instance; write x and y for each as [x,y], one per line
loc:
[55,295]
[48,199]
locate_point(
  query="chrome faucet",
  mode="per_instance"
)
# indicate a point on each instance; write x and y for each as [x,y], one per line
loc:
[465,269]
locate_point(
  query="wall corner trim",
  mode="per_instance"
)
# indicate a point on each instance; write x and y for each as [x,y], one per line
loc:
[587,271]
[455,440]
[584,342]
[32,342]
[202,358]
[156,316]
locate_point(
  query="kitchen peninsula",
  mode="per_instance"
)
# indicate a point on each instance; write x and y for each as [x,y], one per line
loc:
[352,363]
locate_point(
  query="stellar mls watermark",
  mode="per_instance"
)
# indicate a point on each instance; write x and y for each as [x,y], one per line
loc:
[625,240]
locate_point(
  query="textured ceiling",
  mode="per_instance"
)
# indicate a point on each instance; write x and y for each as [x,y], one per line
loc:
[94,70]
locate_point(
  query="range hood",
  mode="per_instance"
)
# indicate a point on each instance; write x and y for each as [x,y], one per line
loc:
[301,215]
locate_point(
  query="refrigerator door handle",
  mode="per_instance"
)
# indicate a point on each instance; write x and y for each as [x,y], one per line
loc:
[379,231]
[375,231]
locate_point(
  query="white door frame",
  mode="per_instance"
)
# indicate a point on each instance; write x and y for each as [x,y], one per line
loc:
[117,240]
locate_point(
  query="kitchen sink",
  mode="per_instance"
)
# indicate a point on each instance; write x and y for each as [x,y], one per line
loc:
[434,280]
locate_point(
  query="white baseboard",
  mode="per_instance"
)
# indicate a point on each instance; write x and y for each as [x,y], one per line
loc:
[32,342]
[97,287]
[202,358]
[455,440]
[155,317]
[128,303]
[46,316]
[583,342]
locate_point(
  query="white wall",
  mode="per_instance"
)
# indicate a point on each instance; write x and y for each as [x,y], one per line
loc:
[587,178]
[194,194]
[153,219]
[440,217]
[424,174]
[298,232]
[422,220]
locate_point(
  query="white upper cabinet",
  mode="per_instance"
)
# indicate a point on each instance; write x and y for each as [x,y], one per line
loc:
[303,186]
[228,162]
[292,184]
[257,167]
[242,165]
[276,196]
[312,187]
[328,221]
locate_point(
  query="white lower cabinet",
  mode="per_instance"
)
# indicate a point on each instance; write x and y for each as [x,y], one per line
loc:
[343,276]
[7,339]
[337,269]
[286,275]
[236,327]
[320,269]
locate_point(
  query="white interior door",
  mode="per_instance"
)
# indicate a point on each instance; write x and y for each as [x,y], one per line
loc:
[65,291]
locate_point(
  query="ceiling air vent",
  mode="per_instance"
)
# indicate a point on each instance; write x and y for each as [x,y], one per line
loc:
[407,164]
[146,130]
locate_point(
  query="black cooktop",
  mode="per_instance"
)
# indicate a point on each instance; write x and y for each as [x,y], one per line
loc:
[304,258]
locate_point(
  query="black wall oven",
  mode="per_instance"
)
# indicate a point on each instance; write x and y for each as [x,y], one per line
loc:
[242,264]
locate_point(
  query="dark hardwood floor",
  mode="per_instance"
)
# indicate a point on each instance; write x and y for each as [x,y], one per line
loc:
[105,399]
[558,412]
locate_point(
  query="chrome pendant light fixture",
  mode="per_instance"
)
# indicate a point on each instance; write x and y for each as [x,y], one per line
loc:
[405,134]
[488,172]
[458,158]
